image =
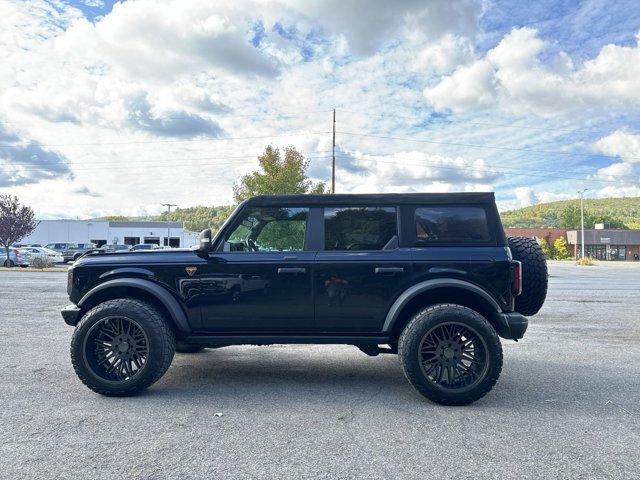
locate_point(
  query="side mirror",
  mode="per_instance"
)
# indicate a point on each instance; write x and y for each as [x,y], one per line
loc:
[204,240]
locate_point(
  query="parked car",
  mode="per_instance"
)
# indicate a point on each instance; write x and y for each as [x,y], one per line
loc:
[16,257]
[42,252]
[115,248]
[429,277]
[143,246]
[71,251]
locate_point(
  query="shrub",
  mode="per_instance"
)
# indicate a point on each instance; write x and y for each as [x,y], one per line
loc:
[41,262]
[561,249]
[546,248]
[585,262]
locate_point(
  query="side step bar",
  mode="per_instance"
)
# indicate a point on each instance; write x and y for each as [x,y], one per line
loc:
[230,339]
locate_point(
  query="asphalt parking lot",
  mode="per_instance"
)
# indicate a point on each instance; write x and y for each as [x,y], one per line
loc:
[566,405]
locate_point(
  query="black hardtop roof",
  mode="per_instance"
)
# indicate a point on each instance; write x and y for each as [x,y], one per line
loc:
[366,199]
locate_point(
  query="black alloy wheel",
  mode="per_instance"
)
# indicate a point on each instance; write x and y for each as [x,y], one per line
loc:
[453,356]
[116,349]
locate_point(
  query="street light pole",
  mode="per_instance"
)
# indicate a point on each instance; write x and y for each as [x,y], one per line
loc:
[169,205]
[581,192]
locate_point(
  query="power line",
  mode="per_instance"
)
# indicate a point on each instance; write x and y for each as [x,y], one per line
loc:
[221,115]
[491,169]
[155,160]
[481,124]
[491,147]
[140,142]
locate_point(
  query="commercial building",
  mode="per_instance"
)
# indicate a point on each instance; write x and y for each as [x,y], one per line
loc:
[601,243]
[549,234]
[101,232]
[606,244]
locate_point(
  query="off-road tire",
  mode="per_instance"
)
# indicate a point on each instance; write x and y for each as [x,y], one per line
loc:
[161,344]
[182,347]
[409,352]
[534,274]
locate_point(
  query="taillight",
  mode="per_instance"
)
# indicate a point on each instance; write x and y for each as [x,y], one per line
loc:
[517,278]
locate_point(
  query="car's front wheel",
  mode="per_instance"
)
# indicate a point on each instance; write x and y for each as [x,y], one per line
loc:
[450,354]
[122,346]
[9,263]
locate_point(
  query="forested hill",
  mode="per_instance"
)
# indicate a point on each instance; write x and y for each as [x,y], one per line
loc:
[620,212]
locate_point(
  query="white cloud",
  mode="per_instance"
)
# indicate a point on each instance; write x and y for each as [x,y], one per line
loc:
[444,55]
[412,171]
[626,173]
[512,77]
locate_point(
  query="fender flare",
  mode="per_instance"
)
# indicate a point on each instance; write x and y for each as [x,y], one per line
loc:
[168,301]
[411,292]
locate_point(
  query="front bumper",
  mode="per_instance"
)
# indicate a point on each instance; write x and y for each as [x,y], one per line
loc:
[71,315]
[510,325]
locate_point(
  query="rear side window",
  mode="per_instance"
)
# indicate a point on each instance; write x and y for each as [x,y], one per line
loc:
[359,228]
[459,224]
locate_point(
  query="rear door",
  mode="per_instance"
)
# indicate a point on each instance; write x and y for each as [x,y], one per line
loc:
[361,270]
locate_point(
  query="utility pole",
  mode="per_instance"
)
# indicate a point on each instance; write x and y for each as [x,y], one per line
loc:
[333,155]
[169,205]
[581,192]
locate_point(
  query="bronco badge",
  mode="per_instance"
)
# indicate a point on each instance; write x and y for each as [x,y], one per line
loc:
[191,270]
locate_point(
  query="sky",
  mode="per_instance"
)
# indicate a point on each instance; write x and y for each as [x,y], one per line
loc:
[113,108]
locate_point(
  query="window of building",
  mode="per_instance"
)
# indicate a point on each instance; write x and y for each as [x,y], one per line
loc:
[452,224]
[131,240]
[173,243]
[359,228]
[153,240]
[266,229]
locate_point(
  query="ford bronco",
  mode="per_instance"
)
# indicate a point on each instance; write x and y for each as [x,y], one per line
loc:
[429,277]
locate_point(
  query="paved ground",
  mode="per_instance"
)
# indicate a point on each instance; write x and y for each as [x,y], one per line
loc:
[566,405]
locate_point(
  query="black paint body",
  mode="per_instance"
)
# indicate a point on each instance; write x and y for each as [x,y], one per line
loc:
[319,295]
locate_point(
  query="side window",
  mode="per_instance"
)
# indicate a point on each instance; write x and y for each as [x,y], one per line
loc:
[269,229]
[359,228]
[452,224]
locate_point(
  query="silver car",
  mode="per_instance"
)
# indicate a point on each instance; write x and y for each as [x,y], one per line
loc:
[16,257]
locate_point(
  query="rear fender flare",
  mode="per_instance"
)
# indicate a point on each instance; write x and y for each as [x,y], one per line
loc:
[411,292]
[178,316]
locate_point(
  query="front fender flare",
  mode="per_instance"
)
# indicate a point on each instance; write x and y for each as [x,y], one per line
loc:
[411,292]
[162,295]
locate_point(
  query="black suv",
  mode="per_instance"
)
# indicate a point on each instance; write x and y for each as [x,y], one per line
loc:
[430,277]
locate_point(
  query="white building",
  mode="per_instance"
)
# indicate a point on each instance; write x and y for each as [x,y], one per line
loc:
[103,232]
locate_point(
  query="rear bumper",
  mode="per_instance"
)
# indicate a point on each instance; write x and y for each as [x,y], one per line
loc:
[510,325]
[71,315]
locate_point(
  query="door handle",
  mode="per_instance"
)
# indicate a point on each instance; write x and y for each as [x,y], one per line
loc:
[389,270]
[291,270]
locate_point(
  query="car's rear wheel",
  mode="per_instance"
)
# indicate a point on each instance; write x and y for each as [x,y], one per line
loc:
[9,263]
[120,347]
[450,354]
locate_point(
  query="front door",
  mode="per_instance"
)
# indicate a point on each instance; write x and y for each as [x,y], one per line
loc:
[361,270]
[259,281]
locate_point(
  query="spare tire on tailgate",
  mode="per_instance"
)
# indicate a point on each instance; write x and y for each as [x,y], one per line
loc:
[534,274]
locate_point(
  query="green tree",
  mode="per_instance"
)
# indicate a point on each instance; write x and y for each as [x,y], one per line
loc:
[546,248]
[570,217]
[561,249]
[200,217]
[16,222]
[278,175]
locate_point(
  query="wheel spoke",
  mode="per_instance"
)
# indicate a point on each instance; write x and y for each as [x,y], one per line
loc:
[453,356]
[116,349]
